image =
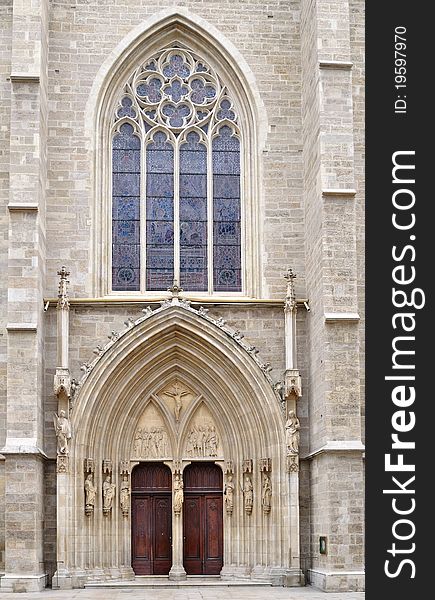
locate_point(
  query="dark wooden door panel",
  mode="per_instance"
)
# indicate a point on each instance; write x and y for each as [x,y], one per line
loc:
[151,520]
[162,535]
[203,519]
[192,535]
[141,535]
[213,547]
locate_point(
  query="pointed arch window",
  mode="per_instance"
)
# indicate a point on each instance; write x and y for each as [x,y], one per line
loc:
[176,179]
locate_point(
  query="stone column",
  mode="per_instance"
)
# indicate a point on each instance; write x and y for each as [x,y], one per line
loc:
[24,457]
[62,389]
[177,571]
[292,392]
[331,275]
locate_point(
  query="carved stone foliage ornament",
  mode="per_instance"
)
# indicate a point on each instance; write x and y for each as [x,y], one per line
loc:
[248,494]
[63,432]
[202,441]
[178,493]
[292,435]
[201,312]
[151,443]
[90,494]
[124,495]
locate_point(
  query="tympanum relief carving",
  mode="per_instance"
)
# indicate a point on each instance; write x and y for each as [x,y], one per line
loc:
[151,438]
[203,439]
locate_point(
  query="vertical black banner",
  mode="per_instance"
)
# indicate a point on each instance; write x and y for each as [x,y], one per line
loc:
[399,245]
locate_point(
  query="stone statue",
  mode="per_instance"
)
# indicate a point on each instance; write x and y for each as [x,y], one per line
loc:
[267,494]
[177,395]
[90,494]
[108,494]
[229,494]
[124,495]
[249,494]
[178,494]
[292,434]
[212,441]
[63,432]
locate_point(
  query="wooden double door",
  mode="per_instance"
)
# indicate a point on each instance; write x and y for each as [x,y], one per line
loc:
[202,519]
[152,519]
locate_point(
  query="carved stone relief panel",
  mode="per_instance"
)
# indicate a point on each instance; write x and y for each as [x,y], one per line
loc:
[203,439]
[177,397]
[151,438]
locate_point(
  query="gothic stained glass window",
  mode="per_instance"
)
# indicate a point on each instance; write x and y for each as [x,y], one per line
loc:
[193,214]
[176,201]
[126,210]
[226,212]
[159,213]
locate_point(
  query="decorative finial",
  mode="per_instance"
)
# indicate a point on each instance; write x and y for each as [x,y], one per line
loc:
[290,299]
[63,300]
[175,289]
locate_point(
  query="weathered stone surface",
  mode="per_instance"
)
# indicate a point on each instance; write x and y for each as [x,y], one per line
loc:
[308,194]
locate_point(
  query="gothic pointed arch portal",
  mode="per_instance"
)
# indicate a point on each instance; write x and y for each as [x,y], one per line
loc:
[177,388]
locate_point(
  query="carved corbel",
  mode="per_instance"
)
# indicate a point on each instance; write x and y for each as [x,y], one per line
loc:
[62,464]
[293,463]
[293,383]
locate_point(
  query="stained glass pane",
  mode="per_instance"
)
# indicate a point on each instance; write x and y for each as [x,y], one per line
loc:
[193,215]
[126,210]
[226,212]
[159,213]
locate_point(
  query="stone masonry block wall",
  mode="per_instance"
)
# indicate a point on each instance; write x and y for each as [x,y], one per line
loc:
[5,93]
[83,34]
[25,508]
[357,36]
[337,511]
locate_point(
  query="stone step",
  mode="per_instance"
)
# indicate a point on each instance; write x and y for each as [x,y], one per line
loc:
[162,582]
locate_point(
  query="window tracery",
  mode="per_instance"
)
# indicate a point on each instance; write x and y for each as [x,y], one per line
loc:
[176,179]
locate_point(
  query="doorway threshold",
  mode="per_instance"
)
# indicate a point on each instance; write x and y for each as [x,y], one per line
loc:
[162,582]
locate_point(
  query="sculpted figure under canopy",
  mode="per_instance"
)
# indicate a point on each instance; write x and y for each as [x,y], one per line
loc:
[292,435]
[63,431]
[108,493]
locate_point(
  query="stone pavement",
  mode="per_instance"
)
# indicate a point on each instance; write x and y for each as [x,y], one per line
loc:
[192,593]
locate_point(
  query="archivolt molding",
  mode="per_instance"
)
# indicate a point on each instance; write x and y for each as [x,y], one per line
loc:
[177,341]
[148,313]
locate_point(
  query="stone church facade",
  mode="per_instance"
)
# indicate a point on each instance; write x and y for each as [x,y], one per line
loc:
[182,309]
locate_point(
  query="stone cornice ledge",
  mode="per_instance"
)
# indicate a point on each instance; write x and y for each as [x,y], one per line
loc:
[24,77]
[349,192]
[21,327]
[22,206]
[337,572]
[336,64]
[341,317]
[13,448]
[337,446]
